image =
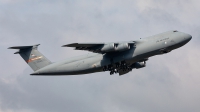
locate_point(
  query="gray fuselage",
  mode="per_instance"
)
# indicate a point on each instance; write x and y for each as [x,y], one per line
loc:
[142,49]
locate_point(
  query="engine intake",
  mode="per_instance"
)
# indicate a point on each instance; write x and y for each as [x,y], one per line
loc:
[108,48]
[123,47]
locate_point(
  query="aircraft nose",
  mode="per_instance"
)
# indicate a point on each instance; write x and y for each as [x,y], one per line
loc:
[188,37]
[185,38]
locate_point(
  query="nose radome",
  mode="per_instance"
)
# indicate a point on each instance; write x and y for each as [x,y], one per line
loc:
[188,37]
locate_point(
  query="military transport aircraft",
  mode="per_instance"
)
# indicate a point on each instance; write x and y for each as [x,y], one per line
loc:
[116,57]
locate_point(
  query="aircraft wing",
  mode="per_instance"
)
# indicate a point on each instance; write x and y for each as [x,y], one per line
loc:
[101,47]
[92,47]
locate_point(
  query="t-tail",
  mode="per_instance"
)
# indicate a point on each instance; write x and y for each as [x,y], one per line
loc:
[32,56]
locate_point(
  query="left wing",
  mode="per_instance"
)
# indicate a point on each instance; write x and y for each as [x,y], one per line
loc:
[101,47]
[92,47]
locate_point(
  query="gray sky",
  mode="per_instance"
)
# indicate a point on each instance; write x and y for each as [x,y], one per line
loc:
[169,82]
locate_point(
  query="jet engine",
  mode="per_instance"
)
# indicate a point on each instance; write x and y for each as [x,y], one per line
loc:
[108,48]
[123,47]
[138,65]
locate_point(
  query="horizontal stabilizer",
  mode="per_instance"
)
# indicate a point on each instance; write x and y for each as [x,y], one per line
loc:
[32,56]
[23,47]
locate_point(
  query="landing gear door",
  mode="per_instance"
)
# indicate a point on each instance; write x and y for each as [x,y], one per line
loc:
[121,72]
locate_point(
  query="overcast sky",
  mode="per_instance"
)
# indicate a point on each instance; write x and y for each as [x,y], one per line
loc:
[169,83]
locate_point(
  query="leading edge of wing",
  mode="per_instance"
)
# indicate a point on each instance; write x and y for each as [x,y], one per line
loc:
[94,47]
[94,44]
[83,44]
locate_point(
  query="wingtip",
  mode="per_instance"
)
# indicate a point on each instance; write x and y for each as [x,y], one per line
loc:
[34,73]
[12,48]
[69,45]
[37,44]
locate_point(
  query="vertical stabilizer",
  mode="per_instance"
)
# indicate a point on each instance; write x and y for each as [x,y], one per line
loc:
[32,56]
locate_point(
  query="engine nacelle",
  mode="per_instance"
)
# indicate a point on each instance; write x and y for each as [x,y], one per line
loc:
[123,47]
[108,48]
[138,65]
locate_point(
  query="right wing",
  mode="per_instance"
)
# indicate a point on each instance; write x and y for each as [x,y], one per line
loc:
[92,47]
[101,47]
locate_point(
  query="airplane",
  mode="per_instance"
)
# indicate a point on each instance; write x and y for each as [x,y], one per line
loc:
[115,57]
